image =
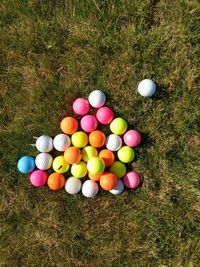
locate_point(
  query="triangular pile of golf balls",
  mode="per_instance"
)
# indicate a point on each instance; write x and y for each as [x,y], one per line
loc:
[94,159]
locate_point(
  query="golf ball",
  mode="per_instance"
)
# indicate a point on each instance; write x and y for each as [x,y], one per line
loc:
[73,185]
[60,165]
[81,106]
[118,189]
[56,181]
[118,168]
[43,161]
[113,142]
[38,178]
[79,139]
[108,181]
[44,143]
[61,142]
[26,164]
[95,166]
[90,188]
[79,170]
[132,180]
[132,138]
[126,154]
[89,123]
[146,88]
[105,115]
[97,98]
[118,126]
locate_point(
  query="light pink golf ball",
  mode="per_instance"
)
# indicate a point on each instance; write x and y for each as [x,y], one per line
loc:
[89,123]
[131,180]
[38,178]
[105,115]
[81,106]
[132,138]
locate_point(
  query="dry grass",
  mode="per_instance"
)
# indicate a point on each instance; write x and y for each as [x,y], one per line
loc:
[50,52]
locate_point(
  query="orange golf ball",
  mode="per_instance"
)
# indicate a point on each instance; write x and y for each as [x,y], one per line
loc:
[69,125]
[97,138]
[56,181]
[107,156]
[108,181]
[72,155]
[94,177]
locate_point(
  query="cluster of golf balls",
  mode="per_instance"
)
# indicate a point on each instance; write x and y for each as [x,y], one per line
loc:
[87,152]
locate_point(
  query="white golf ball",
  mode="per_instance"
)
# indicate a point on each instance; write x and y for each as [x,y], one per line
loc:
[97,98]
[146,88]
[73,185]
[61,142]
[119,188]
[90,188]
[113,142]
[43,161]
[44,143]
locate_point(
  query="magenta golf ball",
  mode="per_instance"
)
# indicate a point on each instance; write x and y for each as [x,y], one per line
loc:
[132,138]
[38,178]
[81,106]
[89,123]
[105,115]
[131,180]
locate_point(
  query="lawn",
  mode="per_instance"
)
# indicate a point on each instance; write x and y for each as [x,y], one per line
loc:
[50,53]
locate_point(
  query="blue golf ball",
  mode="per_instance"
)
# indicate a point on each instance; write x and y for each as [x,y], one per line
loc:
[26,164]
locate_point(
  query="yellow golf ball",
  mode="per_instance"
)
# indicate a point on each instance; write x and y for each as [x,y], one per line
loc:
[95,165]
[118,126]
[118,168]
[79,170]
[60,165]
[126,154]
[79,139]
[89,152]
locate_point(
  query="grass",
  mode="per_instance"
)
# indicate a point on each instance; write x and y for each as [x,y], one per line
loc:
[50,53]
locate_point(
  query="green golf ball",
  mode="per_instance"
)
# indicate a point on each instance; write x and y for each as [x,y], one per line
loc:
[126,154]
[118,168]
[118,126]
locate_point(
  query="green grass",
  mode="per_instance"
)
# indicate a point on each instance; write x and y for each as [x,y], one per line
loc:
[50,53]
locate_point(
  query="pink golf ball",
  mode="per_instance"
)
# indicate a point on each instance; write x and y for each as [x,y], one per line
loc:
[105,115]
[89,123]
[81,106]
[38,178]
[131,180]
[132,138]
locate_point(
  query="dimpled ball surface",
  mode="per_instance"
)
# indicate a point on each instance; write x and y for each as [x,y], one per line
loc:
[90,189]
[60,165]
[118,168]
[126,154]
[132,180]
[97,98]
[105,115]
[61,142]
[146,88]
[132,138]
[26,164]
[81,106]
[118,126]
[79,170]
[44,143]
[43,161]
[79,139]
[113,142]
[38,178]
[95,165]
[73,185]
